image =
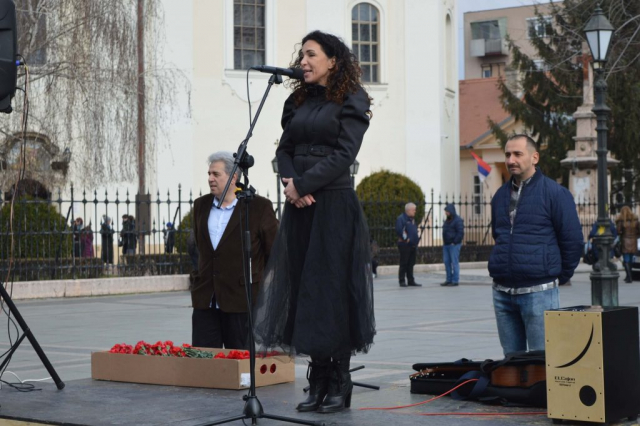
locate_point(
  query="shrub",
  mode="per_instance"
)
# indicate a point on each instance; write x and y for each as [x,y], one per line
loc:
[39,230]
[184,229]
[383,196]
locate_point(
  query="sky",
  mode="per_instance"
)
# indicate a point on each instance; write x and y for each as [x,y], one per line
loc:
[477,5]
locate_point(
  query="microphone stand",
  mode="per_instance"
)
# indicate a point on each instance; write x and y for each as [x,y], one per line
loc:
[252,408]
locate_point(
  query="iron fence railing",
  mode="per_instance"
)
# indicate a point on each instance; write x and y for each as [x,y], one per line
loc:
[49,244]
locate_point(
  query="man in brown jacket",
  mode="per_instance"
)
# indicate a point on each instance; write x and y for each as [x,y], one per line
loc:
[220,312]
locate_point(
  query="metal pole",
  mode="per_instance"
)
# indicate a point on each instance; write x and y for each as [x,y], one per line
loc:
[604,278]
[141,123]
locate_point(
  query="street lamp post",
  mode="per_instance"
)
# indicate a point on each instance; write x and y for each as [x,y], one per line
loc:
[604,278]
[274,165]
[353,169]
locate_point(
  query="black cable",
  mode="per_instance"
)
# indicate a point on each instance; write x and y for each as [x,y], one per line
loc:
[9,279]
[21,387]
[249,97]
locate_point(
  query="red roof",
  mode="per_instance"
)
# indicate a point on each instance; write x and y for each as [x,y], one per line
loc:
[479,101]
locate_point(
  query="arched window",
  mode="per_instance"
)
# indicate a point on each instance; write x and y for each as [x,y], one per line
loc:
[248,33]
[365,35]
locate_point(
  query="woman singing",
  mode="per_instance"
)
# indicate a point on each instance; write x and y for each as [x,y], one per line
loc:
[317,294]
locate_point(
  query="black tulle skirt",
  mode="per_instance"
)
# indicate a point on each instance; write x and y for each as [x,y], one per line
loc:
[316,297]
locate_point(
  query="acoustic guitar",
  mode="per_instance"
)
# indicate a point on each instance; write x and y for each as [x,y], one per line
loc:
[523,376]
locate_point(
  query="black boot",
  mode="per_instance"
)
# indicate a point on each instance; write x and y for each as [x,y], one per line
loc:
[627,269]
[318,376]
[340,387]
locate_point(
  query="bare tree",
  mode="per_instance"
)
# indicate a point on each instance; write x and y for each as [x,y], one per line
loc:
[82,57]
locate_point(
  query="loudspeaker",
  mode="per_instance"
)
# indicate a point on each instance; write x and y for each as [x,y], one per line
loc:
[8,52]
[593,363]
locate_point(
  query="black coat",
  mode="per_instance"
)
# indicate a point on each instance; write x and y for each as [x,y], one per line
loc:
[106,231]
[322,123]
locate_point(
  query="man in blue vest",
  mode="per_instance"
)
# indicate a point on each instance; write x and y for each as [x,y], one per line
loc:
[538,245]
[408,239]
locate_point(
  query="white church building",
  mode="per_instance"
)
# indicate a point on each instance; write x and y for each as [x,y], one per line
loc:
[407,49]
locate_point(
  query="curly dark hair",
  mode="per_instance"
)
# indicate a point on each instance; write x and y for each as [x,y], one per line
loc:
[344,77]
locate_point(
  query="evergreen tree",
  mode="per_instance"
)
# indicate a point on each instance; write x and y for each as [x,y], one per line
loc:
[545,97]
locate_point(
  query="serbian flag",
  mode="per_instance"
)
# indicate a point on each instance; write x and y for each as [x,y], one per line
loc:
[483,168]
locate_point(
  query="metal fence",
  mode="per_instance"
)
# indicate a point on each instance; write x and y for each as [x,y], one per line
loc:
[48,244]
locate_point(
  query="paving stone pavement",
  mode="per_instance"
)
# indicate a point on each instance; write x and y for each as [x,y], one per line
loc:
[426,324]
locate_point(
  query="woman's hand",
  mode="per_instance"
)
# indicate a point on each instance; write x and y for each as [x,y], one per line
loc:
[305,201]
[292,196]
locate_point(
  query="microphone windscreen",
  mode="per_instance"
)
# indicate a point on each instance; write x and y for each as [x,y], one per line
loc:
[298,74]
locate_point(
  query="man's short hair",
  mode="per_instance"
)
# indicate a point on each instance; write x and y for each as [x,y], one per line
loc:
[409,206]
[530,142]
[227,158]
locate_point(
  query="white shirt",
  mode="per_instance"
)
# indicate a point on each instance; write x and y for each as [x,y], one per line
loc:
[218,220]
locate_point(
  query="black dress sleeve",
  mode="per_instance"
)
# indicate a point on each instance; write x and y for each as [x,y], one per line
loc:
[354,122]
[286,147]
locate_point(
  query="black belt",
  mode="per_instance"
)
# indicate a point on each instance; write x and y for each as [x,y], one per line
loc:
[315,150]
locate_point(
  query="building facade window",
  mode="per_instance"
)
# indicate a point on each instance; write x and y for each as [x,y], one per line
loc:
[477,195]
[494,69]
[487,30]
[248,33]
[365,36]
[537,27]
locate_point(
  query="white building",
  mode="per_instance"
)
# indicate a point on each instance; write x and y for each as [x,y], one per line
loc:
[408,48]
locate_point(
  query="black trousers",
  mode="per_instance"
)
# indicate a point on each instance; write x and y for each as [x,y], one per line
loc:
[407,261]
[213,328]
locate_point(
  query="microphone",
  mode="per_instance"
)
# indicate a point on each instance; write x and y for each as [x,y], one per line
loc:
[296,73]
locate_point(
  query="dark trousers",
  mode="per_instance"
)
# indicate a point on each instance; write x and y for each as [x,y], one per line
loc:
[212,328]
[407,261]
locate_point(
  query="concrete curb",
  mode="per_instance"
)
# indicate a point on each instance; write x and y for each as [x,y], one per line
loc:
[24,290]
[99,286]
[435,267]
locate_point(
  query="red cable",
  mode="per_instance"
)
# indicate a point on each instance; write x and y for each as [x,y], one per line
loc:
[423,402]
[530,413]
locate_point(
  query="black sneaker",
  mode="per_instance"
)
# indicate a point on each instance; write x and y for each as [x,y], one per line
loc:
[403,284]
[415,284]
[453,284]
[445,284]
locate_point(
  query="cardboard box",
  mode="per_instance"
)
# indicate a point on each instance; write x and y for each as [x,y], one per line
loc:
[191,372]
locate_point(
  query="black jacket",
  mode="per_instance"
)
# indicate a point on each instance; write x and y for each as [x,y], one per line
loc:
[323,123]
[453,227]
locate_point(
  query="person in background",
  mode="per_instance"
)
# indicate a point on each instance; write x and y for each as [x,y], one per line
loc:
[106,232]
[129,238]
[86,237]
[408,239]
[595,230]
[169,238]
[76,229]
[629,231]
[452,235]
[375,250]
